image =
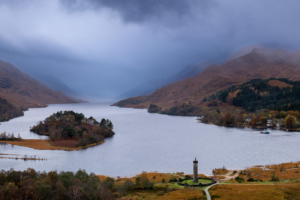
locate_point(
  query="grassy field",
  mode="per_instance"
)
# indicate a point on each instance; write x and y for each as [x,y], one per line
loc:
[196,194]
[220,171]
[267,192]
[265,173]
[227,190]
[249,183]
[44,145]
[190,182]
[154,177]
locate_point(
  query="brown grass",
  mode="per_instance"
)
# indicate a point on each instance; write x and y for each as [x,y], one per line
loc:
[282,171]
[102,177]
[253,192]
[155,177]
[161,195]
[220,177]
[45,145]
[278,83]
[221,171]
[64,143]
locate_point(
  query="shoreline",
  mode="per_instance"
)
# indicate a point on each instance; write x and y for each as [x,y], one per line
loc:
[39,144]
[254,128]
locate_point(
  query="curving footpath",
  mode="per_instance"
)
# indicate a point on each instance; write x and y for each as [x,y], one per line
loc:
[227,177]
[207,193]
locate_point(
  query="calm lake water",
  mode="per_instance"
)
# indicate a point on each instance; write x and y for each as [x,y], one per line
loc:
[152,142]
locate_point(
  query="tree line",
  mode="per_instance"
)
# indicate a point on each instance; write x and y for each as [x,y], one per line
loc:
[285,119]
[183,109]
[66,185]
[9,137]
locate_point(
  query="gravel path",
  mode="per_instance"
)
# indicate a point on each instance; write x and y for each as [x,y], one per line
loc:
[207,192]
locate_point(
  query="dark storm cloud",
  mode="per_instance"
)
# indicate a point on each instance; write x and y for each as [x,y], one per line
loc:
[140,10]
[110,46]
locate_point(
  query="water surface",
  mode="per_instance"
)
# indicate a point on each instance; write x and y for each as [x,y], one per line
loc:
[152,142]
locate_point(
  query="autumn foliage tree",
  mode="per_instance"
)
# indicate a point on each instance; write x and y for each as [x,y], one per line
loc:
[30,184]
[229,118]
[263,120]
[290,121]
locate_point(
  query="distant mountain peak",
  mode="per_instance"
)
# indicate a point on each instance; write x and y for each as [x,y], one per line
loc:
[253,63]
[21,90]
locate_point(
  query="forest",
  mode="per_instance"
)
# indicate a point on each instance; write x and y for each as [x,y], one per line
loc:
[69,125]
[8,111]
[182,110]
[30,184]
[154,108]
[133,101]
[65,185]
[259,94]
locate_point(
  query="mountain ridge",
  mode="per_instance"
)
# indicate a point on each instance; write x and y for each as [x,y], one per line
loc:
[259,63]
[23,91]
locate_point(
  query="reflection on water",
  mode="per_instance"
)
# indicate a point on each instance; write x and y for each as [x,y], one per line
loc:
[152,142]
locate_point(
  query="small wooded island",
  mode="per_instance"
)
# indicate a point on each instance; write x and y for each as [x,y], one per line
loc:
[68,130]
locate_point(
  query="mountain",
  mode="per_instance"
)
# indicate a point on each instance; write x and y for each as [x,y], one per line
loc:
[22,91]
[150,86]
[141,89]
[259,63]
[244,51]
[189,71]
[8,111]
[57,84]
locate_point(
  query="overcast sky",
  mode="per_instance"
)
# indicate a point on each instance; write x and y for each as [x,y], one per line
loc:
[107,47]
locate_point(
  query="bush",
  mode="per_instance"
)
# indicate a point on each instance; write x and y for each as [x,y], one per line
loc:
[172,179]
[274,178]
[109,183]
[160,193]
[84,142]
[239,179]
[251,180]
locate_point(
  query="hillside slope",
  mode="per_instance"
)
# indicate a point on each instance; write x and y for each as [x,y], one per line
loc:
[259,63]
[22,91]
[272,94]
[150,86]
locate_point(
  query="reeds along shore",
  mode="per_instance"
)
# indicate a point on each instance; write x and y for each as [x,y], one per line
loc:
[25,159]
[46,145]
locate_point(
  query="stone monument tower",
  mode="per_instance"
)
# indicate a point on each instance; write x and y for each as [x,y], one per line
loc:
[195,180]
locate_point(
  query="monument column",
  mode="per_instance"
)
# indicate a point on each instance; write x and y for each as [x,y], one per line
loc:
[195,180]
